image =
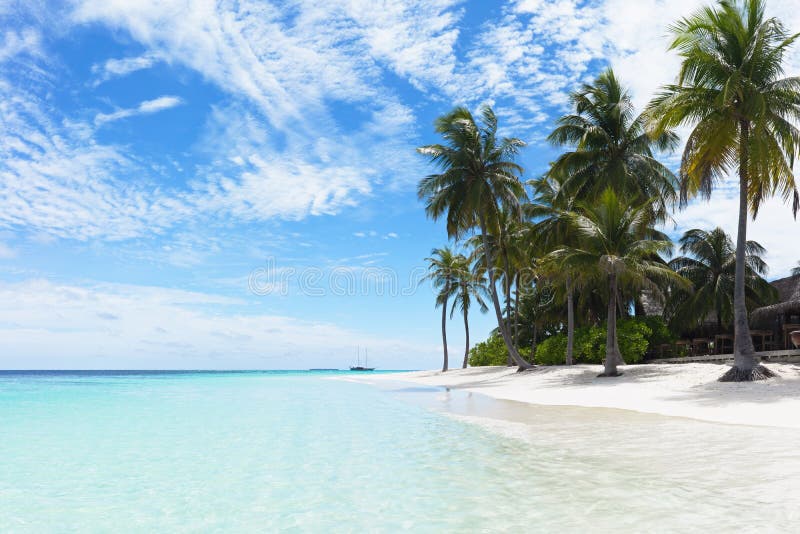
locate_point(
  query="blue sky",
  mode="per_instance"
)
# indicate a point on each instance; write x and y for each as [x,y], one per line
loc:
[159,157]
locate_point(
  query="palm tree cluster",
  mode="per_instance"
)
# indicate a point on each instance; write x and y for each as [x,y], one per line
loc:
[582,242]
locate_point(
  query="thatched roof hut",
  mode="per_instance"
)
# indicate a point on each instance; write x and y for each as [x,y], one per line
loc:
[788,300]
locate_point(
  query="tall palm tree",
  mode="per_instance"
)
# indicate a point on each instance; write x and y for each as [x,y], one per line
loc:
[550,203]
[478,180]
[443,272]
[610,148]
[469,287]
[731,88]
[709,263]
[618,240]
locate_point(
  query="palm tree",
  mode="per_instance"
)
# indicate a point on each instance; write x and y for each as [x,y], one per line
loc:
[611,148]
[730,87]
[469,287]
[511,241]
[479,179]
[709,263]
[443,272]
[617,240]
[550,203]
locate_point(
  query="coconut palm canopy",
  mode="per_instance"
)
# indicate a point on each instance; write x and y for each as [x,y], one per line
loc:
[612,148]
[709,263]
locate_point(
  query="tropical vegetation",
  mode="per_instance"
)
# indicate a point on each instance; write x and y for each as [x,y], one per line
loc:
[578,255]
[731,89]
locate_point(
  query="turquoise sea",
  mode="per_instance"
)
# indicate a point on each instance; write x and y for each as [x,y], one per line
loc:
[307,451]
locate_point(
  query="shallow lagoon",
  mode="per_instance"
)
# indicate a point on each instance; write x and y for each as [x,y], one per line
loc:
[315,452]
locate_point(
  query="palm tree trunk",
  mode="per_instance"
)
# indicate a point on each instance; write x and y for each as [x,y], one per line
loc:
[613,356]
[570,322]
[466,333]
[516,312]
[745,364]
[487,256]
[444,332]
[533,343]
[507,292]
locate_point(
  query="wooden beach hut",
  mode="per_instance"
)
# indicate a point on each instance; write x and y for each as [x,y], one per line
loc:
[784,316]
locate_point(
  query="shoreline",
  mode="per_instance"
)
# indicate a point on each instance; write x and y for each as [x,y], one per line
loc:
[688,390]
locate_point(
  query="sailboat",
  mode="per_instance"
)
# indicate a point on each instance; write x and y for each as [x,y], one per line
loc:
[358,366]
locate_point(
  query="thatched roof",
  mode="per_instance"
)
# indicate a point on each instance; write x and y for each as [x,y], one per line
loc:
[788,297]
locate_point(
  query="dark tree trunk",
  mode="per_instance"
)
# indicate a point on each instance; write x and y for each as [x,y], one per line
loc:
[570,322]
[745,363]
[516,312]
[613,355]
[533,343]
[487,256]
[466,333]
[507,293]
[444,331]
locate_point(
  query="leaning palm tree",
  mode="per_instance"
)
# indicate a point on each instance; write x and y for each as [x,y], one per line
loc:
[731,88]
[611,148]
[443,272]
[478,180]
[709,263]
[470,287]
[618,240]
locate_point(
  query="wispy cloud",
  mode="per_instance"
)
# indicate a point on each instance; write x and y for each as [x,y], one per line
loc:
[22,42]
[145,108]
[113,68]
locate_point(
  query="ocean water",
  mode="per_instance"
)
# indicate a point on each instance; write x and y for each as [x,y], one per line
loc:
[314,452]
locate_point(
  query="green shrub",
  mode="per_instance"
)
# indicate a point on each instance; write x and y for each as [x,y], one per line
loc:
[493,351]
[552,350]
[590,344]
[633,337]
[660,334]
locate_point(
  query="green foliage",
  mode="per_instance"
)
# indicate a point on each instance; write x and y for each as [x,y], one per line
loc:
[633,335]
[659,331]
[552,350]
[493,351]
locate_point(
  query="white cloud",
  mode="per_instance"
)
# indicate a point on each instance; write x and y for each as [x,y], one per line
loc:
[49,325]
[113,68]
[24,42]
[145,108]
[55,179]
[289,61]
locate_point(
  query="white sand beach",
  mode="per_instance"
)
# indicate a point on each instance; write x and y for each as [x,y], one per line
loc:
[681,390]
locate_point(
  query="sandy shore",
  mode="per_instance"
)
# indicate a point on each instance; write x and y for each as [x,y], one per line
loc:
[681,390]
